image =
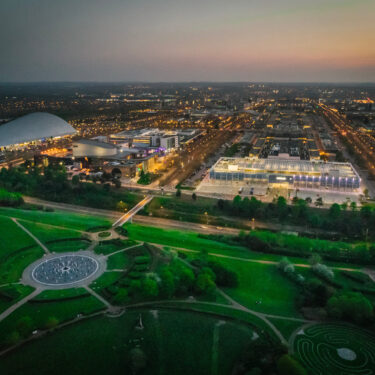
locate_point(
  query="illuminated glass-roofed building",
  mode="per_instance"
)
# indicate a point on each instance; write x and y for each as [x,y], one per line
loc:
[286,172]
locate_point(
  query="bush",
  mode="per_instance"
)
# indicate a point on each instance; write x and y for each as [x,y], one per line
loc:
[350,306]
[104,234]
[286,365]
[224,277]
[288,269]
[323,271]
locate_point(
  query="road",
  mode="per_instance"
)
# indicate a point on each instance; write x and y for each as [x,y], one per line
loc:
[172,224]
[362,144]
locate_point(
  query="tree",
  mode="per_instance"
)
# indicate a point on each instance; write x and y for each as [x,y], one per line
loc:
[308,200]
[353,206]
[149,287]
[319,202]
[286,365]
[117,183]
[121,296]
[351,306]
[51,322]
[168,287]
[25,326]
[121,206]
[12,338]
[315,259]
[220,204]
[334,211]
[194,196]
[205,283]
[178,193]
[75,180]
[365,192]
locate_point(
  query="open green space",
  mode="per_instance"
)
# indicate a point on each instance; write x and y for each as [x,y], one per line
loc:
[12,237]
[45,232]
[118,261]
[57,218]
[110,246]
[10,294]
[17,251]
[40,311]
[57,294]
[61,246]
[262,288]
[172,342]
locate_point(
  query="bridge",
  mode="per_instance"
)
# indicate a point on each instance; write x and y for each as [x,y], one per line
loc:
[128,215]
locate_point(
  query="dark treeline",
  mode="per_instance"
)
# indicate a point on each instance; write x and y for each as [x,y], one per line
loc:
[51,183]
[347,220]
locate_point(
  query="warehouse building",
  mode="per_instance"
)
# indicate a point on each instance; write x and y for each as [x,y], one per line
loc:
[286,173]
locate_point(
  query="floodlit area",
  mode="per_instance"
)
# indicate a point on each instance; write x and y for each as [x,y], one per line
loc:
[338,182]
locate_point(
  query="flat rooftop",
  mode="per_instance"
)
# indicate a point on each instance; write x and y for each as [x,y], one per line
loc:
[292,166]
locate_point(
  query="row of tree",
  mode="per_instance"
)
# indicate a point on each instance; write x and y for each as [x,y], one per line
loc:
[345,218]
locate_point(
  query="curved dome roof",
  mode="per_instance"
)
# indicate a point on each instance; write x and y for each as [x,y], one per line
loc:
[32,127]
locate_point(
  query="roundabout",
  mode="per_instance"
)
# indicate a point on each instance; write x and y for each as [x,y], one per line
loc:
[335,349]
[59,271]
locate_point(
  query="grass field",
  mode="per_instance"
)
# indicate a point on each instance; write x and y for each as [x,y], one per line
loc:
[173,343]
[110,246]
[264,284]
[10,294]
[68,245]
[118,261]
[199,335]
[57,218]
[39,312]
[47,233]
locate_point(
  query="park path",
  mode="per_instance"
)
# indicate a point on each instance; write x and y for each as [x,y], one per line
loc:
[32,236]
[100,298]
[18,304]
[302,265]
[125,249]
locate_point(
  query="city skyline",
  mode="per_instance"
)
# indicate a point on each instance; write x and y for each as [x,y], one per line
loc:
[296,41]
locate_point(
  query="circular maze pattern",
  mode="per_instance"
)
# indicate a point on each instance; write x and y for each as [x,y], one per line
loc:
[65,269]
[327,349]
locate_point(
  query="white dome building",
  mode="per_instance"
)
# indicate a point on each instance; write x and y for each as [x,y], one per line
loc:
[33,127]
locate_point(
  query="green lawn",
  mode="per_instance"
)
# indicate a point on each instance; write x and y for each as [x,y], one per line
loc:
[264,284]
[12,237]
[192,241]
[10,294]
[57,218]
[45,232]
[110,246]
[173,343]
[184,239]
[105,280]
[118,261]
[39,312]
[58,294]
[68,245]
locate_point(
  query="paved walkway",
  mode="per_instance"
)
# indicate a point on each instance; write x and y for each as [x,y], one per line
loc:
[32,236]
[19,304]
[100,298]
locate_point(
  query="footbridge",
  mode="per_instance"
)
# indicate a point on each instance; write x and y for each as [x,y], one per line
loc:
[128,215]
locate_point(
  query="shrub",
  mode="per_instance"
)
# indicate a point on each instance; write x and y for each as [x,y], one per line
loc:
[286,365]
[350,306]
[323,271]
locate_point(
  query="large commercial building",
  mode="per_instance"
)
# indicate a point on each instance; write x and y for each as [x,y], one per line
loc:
[33,128]
[287,173]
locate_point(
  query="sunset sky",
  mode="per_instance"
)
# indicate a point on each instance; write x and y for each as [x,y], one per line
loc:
[187,40]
